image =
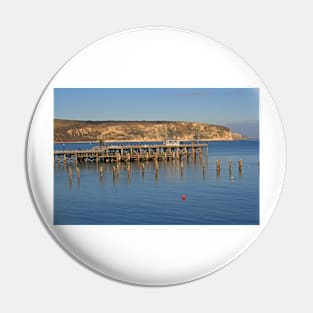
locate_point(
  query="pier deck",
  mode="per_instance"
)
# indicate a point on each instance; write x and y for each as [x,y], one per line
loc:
[127,153]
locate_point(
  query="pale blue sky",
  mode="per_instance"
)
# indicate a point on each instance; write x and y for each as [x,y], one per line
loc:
[237,108]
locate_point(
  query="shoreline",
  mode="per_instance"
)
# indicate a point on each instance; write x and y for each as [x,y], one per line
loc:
[149,141]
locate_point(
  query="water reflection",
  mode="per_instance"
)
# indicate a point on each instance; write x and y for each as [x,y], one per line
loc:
[170,170]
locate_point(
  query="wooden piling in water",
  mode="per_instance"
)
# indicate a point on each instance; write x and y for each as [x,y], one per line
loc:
[181,168]
[78,173]
[240,167]
[142,169]
[218,167]
[117,169]
[101,171]
[230,164]
[156,165]
[70,173]
[185,152]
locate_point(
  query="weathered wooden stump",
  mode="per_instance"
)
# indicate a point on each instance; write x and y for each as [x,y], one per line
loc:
[70,173]
[78,173]
[240,167]
[218,167]
[142,169]
[101,171]
[181,168]
[230,164]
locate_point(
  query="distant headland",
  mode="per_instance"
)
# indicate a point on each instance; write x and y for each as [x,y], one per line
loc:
[74,130]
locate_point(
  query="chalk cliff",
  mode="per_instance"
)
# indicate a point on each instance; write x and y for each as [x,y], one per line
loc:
[72,130]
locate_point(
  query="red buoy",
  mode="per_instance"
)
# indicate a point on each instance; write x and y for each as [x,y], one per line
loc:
[183,197]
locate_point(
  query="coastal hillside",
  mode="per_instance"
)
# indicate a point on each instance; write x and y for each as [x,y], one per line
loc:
[72,130]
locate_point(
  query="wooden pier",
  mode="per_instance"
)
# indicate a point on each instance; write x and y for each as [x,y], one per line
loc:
[128,153]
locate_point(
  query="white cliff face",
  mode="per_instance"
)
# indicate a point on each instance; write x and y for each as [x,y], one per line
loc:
[138,131]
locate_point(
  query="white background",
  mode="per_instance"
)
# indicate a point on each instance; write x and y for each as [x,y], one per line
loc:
[37,37]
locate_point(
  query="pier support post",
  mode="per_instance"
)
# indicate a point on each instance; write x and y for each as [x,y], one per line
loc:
[185,152]
[230,164]
[156,168]
[142,169]
[218,167]
[70,176]
[78,175]
[70,173]
[101,171]
[101,174]
[240,167]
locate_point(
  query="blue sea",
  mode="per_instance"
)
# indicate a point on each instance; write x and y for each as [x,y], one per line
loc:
[157,200]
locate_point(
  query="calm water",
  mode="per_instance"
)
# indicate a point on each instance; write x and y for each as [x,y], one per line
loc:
[151,200]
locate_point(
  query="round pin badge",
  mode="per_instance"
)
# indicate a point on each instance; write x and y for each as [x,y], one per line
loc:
[155,156]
